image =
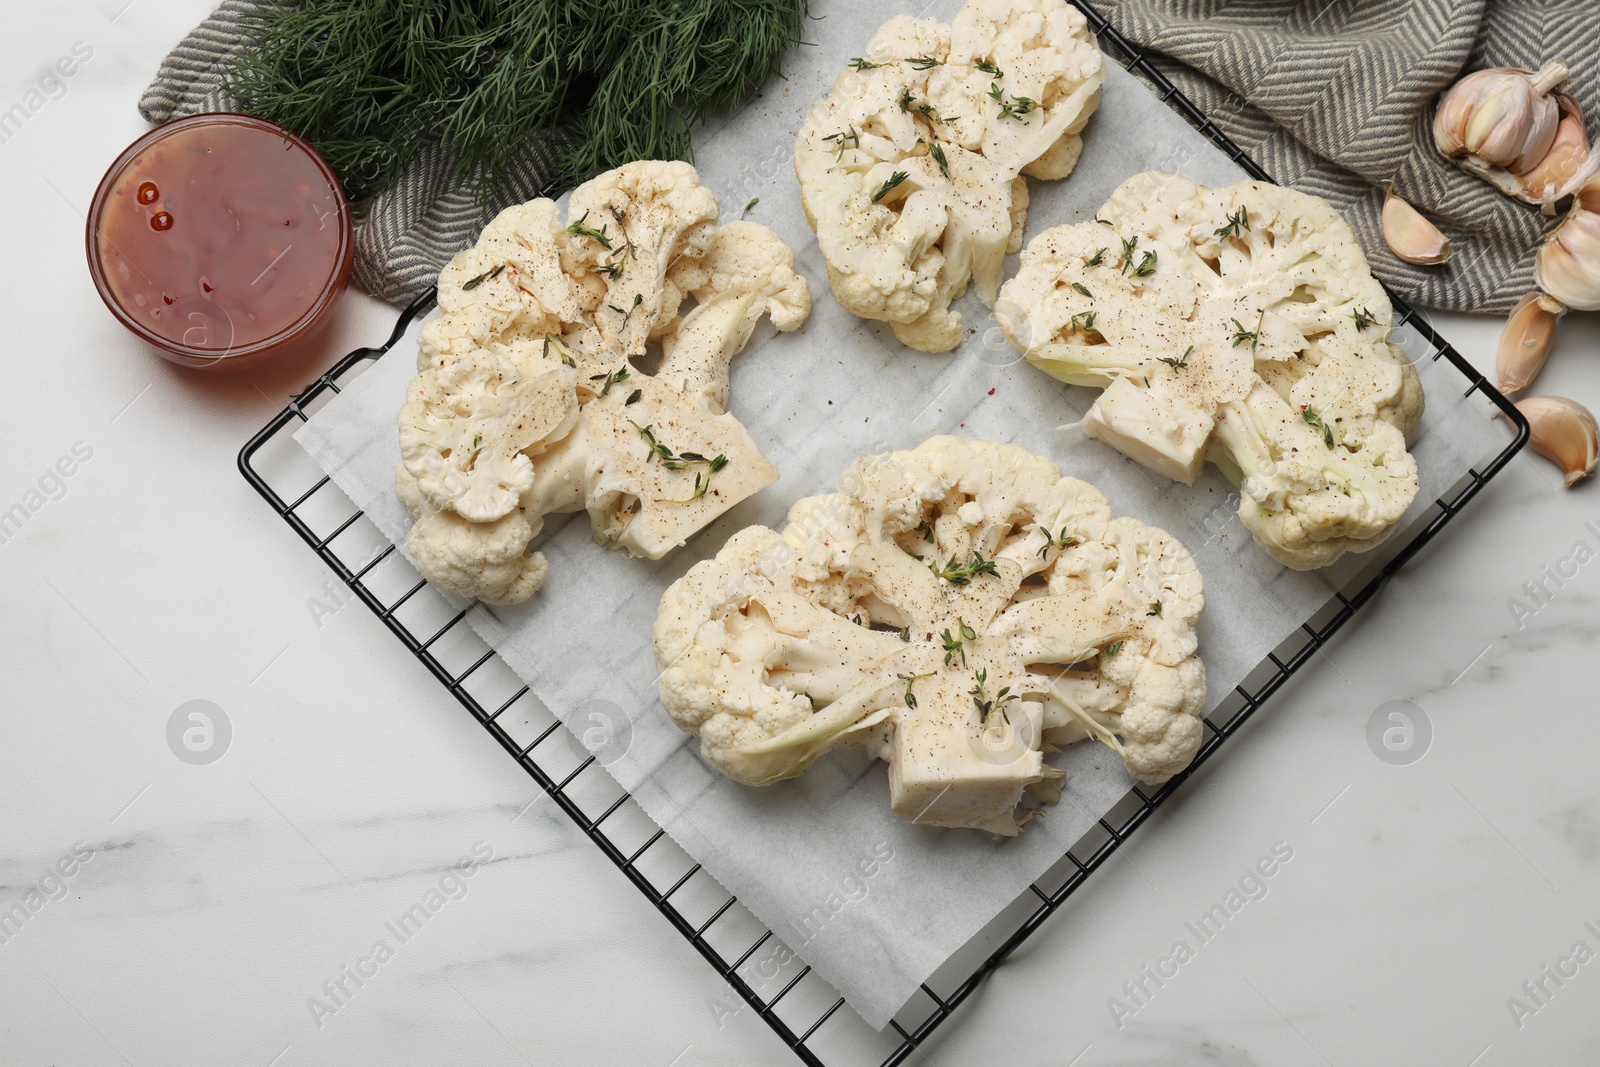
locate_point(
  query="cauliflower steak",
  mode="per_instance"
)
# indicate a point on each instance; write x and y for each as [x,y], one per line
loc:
[531,397]
[1238,325]
[911,169]
[956,609]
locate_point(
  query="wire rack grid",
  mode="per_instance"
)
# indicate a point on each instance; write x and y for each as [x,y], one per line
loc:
[801,1009]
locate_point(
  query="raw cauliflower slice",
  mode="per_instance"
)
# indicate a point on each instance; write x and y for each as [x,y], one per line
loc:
[953,609]
[911,169]
[528,400]
[1239,326]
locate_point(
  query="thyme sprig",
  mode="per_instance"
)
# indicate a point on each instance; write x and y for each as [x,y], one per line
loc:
[894,180]
[989,68]
[1313,420]
[1061,540]
[561,349]
[937,152]
[1241,335]
[924,62]
[1238,223]
[987,705]
[953,646]
[1082,322]
[1364,319]
[1014,108]
[611,378]
[963,573]
[590,232]
[863,64]
[911,680]
[487,276]
[1181,363]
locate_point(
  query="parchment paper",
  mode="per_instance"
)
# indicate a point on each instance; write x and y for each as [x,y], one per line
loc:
[838,388]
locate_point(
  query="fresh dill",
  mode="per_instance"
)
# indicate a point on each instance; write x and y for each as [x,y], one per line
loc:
[373,83]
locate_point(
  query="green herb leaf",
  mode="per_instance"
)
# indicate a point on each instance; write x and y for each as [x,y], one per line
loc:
[590,232]
[1364,319]
[1096,259]
[1079,286]
[894,180]
[633,397]
[862,64]
[1314,420]
[487,276]
[924,62]
[1238,223]
[1014,108]
[1147,265]
[937,152]
[1181,363]
[1082,322]
[989,68]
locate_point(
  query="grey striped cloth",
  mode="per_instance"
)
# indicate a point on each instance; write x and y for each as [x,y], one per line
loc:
[406,234]
[1333,97]
[1336,98]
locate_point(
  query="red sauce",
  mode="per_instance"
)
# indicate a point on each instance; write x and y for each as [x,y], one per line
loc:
[217,234]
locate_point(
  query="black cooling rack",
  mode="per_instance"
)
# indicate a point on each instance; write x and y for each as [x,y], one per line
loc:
[767,977]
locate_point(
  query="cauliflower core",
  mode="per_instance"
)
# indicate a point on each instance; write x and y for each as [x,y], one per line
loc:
[911,170]
[955,609]
[1238,325]
[532,396]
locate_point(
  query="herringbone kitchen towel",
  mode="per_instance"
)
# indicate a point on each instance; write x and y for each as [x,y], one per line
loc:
[408,232]
[1336,98]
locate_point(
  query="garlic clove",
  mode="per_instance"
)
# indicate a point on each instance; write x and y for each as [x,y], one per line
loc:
[1563,431]
[1410,236]
[1568,264]
[1565,167]
[1525,341]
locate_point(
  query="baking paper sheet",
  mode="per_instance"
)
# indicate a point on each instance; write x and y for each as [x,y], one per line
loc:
[839,388]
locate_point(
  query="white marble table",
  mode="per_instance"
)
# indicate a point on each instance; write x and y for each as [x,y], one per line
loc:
[216,900]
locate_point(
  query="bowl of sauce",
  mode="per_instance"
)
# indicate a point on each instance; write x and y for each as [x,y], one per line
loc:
[220,239]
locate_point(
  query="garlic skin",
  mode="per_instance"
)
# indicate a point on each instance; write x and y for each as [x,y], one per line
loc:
[1512,128]
[1566,166]
[1568,264]
[1525,341]
[1411,236]
[1563,431]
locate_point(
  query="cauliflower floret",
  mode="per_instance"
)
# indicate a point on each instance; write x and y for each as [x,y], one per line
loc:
[911,169]
[527,402]
[1237,325]
[939,610]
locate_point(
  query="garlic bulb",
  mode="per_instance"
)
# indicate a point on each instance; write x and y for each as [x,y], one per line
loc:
[1511,128]
[1525,341]
[1568,265]
[1563,431]
[1410,236]
[1505,117]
